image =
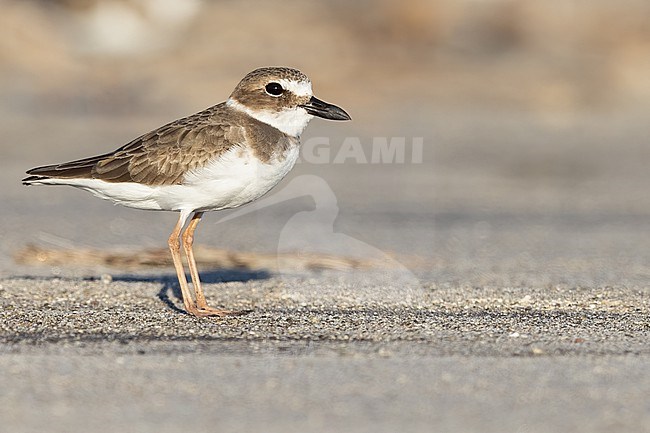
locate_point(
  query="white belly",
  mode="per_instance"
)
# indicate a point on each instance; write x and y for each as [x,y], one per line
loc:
[236,178]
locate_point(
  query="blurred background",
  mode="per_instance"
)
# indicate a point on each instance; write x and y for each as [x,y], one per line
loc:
[533,115]
[106,56]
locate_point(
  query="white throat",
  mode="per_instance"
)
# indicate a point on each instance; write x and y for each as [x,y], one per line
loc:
[290,121]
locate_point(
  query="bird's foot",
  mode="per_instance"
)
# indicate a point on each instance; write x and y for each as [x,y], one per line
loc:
[207,311]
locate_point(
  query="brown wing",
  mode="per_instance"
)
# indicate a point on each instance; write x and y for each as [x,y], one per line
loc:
[160,157]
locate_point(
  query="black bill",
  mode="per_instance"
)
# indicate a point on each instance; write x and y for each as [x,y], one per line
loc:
[319,108]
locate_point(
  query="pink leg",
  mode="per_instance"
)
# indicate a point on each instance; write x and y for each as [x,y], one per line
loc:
[201,303]
[175,248]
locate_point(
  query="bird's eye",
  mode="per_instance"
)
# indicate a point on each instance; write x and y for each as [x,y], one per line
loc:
[274,89]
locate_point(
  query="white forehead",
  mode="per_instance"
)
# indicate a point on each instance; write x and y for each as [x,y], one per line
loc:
[298,88]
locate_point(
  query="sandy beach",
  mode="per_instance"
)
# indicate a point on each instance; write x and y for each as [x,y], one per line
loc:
[494,279]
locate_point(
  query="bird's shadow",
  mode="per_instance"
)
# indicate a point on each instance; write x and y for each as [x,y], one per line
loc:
[169,282]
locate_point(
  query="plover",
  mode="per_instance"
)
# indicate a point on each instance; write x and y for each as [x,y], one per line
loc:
[220,158]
